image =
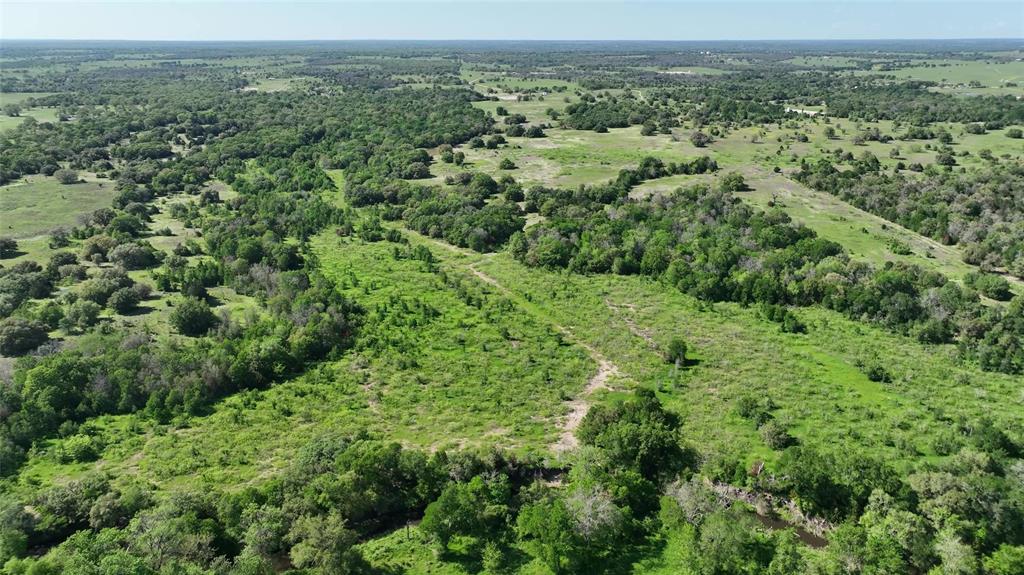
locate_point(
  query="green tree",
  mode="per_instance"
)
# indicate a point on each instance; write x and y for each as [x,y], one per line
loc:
[66,176]
[123,300]
[676,351]
[19,335]
[325,544]
[81,315]
[192,317]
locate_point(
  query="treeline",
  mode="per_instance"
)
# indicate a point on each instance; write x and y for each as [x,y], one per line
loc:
[980,210]
[271,150]
[754,94]
[708,244]
[632,486]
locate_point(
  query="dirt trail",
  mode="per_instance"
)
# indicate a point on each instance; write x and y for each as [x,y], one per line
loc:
[580,405]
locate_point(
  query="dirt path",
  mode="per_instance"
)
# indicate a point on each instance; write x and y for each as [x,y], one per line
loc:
[580,405]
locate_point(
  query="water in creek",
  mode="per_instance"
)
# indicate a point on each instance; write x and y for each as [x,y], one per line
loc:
[808,538]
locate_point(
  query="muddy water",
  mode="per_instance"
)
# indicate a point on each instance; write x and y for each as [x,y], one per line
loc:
[808,538]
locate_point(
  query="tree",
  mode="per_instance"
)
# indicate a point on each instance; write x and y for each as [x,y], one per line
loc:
[700,139]
[733,182]
[479,508]
[193,317]
[13,110]
[506,164]
[547,527]
[676,352]
[19,336]
[8,248]
[66,176]
[124,300]
[325,544]
[636,434]
[1007,560]
[81,315]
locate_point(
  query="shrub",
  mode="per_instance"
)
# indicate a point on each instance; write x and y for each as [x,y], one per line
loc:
[19,336]
[193,317]
[66,176]
[700,139]
[8,248]
[775,435]
[81,315]
[124,300]
[676,351]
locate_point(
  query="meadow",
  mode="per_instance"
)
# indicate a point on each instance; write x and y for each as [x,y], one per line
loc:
[534,385]
[37,205]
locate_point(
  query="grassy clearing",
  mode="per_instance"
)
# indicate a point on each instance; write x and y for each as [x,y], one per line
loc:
[484,80]
[955,75]
[691,71]
[437,372]
[19,97]
[569,158]
[864,235]
[38,204]
[810,377]
[41,114]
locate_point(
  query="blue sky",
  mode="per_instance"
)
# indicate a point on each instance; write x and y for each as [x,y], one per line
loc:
[512,19]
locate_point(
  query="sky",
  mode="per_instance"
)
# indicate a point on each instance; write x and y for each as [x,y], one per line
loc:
[511,19]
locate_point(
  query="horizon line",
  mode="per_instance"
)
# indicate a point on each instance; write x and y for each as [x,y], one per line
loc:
[296,40]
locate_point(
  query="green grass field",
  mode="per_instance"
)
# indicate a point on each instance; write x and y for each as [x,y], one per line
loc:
[439,370]
[39,204]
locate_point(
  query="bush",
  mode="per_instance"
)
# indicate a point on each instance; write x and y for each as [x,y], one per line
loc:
[775,435]
[991,285]
[124,300]
[676,352]
[66,176]
[8,248]
[193,317]
[1015,133]
[132,256]
[81,315]
[19,336]
[78,449]
[700,139]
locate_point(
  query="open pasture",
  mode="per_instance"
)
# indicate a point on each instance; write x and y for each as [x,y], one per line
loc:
[39,204]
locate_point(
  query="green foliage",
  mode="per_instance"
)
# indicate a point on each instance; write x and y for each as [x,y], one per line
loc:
[18,336]
[192,317]
[637,434]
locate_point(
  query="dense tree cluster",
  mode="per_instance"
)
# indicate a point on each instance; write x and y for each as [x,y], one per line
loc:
[709,245]
[980,210]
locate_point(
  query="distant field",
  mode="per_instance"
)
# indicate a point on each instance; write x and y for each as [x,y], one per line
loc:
[484,79]
[692,71]
[38,204]
[823,61]
[954,75]
[40,114]
[19,97]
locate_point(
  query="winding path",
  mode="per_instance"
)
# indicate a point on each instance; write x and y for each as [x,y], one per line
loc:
[579,405]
